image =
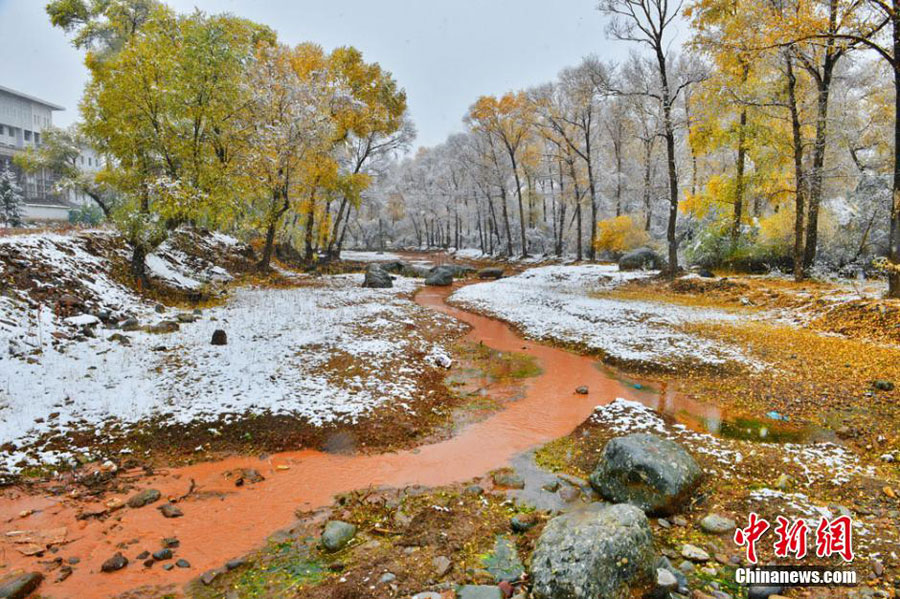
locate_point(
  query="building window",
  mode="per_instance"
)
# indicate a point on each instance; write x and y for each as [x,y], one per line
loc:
[27,135]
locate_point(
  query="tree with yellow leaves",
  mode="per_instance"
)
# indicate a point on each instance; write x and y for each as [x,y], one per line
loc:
[163,107]
[508,120]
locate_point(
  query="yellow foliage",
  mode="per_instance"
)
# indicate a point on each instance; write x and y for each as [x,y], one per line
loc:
[776,231]
[620,234]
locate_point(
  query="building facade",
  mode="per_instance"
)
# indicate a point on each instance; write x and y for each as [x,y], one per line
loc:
[23,120]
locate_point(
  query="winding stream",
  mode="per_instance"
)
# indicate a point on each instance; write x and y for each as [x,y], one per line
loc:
[222,522]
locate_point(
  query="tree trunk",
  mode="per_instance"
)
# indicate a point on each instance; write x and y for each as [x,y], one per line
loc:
[799,203]
[268,249]
[139,266]
[617,148]
[592,250]
[512,157]
[648,157]
[669,133]
[894,250]
[739,183]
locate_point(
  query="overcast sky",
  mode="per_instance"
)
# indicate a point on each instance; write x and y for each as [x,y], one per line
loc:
[445,53]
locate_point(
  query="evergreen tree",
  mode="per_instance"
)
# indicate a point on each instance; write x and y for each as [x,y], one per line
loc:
[11,198]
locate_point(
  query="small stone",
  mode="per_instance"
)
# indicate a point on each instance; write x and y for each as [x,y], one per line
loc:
[168,567]
[164,326]
[235,563]
[666,580]
[716,524]
[148,563]
[523,522]
[551,487]
[570,494]
[145,497]
[582,390]
[162,555]
[183,563]
[171,542]
[694,553]
[509,480]
[337,535]
[143,555]
[474,490]
[116,562]
[20,585]
[442,565]
[219,337]
[479,592]
[170,510]
[387,578]
[679,521]
[208,577]
[883,385]
[663,523]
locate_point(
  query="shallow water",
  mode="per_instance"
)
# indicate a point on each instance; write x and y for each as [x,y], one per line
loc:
[222,522]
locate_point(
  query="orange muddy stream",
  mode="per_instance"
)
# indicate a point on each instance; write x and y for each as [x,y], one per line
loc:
[222,522]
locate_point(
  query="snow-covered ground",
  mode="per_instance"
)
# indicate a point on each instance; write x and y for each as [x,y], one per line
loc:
[279,344]
[65,369]
[555,302]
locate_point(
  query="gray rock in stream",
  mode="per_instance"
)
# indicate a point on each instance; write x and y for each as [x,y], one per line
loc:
[377,277]
[601,552]
[441,276]
[652,473]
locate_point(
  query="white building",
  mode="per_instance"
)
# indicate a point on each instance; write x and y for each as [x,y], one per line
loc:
[23,119]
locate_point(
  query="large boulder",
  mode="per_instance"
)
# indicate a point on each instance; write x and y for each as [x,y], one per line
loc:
[457,270]
[441,276]
[600,552]
[641,259]
[377,277]
[491,272]
[397,267]
[652,473]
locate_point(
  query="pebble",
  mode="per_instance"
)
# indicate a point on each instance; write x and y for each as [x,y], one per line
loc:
[665,579]
[116,562]
[442,565]
[716,524]
[162,554]
[170,510]
[145,497]
[694,553]
[183,563]
[235,563]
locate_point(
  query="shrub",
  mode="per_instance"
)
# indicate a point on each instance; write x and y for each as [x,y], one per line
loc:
[86,215]
[619,235]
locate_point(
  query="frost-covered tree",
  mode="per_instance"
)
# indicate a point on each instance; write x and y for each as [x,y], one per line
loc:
[11,198]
